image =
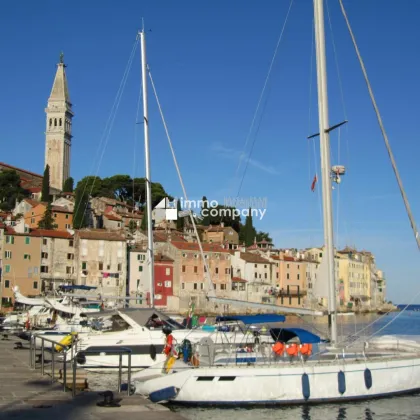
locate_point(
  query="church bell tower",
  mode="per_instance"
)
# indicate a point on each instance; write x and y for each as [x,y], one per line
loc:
[58,132]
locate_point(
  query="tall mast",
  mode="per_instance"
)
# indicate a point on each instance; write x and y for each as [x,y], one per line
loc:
[150,256]
[321,70]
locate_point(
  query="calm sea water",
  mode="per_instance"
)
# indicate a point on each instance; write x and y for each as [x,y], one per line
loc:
[401,408]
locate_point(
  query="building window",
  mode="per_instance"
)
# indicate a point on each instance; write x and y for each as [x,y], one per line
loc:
[7,268]
[277,275]
[26,257]
[69,270]
[70,256]
[227,270]
[8,255]
[44,268]
[44,254]
[256,275]
[55,214]
[67,216]
[195,286]
[141,257]
[119,267]
[10,239]
[298,276]
[287,276]
[100,266]
[6,284]
[202,286]
[44,241]
[84,265]
[35,285]
[67,226]
[140,268]
[288,265]
[168,271]
[223,287]
[255,265]
[71,242]
[216,270]
[27,240]
[298,266]
[182,285]
[195,269]
[183,268]
[36,270]
[168,284]
[265,266]
[265,275]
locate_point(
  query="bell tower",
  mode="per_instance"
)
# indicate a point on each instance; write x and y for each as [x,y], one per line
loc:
[58,132]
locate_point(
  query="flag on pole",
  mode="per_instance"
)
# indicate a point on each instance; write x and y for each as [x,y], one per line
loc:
[314,183]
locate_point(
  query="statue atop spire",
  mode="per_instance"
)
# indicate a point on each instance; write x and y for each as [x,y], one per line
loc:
[61,57]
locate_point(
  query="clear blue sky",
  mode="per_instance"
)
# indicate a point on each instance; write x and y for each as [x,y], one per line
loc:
[209,61]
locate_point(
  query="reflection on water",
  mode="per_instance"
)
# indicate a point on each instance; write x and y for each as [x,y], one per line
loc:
[401,408]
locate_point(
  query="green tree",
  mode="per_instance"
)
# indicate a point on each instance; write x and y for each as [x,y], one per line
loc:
[226,215]
[206,218]
[181,220]
[86,187]
[264,236]
[250,232]
[132,227]
[45,192]
[47,221]
[68,185]
[10,190]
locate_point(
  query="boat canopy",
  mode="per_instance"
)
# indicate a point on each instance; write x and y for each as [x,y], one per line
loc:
[253,319]
[80,287]
[286,334]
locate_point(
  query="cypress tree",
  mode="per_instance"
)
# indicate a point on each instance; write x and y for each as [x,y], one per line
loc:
[249,230]
[206,218]
[180,220]
[45,192]
[68,185]
[47,221]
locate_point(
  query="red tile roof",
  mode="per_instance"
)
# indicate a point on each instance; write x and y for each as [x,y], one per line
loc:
[238,280]
[20,170]
[113,217]
[253,258]
[193,246]
[100,235]
[51,233]
[162,258]
[287,258]
[31,202]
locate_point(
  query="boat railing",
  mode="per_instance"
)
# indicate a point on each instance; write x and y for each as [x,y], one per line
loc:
[75,356]
[54,345]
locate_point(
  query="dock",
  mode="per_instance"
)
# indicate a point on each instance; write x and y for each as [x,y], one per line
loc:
[26,394]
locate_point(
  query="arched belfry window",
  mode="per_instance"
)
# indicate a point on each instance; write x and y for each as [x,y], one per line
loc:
[61,122]
[55,122]
[50,122]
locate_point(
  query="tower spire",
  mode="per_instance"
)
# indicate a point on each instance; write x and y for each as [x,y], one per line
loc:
[58,133]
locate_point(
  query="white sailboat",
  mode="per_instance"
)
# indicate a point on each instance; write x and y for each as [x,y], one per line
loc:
[384,366]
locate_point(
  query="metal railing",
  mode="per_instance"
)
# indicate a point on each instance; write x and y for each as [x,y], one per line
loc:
[74,355]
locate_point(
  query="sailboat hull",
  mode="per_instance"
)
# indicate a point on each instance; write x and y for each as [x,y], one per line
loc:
[295,383]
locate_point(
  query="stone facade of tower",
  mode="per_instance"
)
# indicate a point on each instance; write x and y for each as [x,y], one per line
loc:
[58,132]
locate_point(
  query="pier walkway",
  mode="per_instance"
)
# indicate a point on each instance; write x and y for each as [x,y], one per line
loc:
[25,394]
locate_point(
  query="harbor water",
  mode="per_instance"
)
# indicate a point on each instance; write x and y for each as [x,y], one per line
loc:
[401,408]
